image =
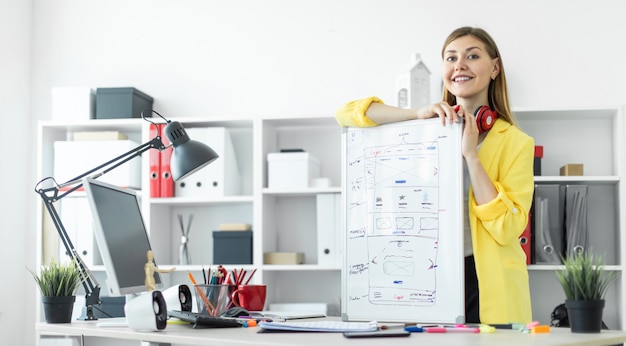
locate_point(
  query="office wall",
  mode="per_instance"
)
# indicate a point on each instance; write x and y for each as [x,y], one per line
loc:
[16,236]
[199,57]
[306,57]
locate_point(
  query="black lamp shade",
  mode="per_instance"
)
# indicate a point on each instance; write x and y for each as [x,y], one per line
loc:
[188,155]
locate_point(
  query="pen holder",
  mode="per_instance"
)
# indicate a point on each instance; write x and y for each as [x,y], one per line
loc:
[212,300]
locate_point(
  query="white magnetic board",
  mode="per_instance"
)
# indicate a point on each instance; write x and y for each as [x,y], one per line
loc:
[402,223]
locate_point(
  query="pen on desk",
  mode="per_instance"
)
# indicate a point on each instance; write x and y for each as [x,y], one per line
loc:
[204,275]
[515,326]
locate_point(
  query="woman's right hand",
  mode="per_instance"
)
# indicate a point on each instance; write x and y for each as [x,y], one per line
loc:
[443,110]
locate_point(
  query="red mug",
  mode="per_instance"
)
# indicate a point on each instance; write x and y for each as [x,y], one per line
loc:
[250,297]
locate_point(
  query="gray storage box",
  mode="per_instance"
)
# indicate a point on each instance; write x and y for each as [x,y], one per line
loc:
[232,247]
[111,307]
[114,103]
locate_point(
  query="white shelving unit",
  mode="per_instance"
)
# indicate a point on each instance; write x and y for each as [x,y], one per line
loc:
[282,220]
[593,137]
[285,220]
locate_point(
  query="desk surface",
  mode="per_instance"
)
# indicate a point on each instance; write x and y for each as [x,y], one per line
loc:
[184,334]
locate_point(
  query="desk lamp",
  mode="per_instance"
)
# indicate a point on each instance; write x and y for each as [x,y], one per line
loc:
[188,156]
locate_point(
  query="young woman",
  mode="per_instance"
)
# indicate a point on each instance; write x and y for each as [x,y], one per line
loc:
[498,172]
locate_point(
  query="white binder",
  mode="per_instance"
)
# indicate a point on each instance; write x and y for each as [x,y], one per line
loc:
[328,225]
[76,217]
[221,177]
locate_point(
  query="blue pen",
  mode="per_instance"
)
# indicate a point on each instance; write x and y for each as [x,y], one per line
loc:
[413,329]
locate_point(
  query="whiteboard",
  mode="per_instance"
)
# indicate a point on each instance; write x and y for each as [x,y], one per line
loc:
[402,223]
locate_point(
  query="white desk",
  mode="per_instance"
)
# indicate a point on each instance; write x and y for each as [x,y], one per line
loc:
[184,334]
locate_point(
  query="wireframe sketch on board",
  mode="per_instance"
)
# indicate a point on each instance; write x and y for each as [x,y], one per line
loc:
[403,255]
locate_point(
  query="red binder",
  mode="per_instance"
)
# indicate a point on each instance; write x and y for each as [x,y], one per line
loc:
[155,166]
[167,183]
[524,240]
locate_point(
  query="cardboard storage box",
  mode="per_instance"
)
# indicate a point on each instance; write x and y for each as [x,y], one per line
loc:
[292,170]
[283,258]
[114,103]
[572,169]
[232,247]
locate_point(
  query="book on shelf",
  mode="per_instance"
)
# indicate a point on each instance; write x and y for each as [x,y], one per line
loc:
[235,227]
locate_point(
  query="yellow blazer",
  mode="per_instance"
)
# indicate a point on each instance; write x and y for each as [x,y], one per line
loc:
[507,155]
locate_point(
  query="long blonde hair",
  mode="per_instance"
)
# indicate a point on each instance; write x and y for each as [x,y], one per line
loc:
[498,95]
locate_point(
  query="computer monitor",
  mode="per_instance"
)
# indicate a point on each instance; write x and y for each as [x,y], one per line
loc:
[121,236]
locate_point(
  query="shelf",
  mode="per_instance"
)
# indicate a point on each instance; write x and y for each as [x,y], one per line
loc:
[299,267]
[195,201]
[122,125]
[611,180]
[301,192]
[555,267]
[569,114]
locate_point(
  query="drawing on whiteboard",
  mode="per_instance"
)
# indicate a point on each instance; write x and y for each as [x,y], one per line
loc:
[401,184]
[402,196]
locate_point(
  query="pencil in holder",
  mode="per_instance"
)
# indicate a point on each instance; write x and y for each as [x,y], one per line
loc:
[212,300]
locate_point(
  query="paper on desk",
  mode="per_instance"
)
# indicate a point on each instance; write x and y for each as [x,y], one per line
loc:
[321,326]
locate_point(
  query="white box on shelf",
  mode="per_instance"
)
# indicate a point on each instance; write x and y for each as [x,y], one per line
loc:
[221,177]
[292,170]
[73,103]
[72,158]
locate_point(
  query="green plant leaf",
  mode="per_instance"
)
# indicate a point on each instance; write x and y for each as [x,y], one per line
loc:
[56,279]
[584,277]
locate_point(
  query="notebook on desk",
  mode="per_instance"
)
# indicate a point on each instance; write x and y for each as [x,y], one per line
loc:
[319,326]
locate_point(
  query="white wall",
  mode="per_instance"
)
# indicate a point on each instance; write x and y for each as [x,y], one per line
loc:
[302,57]
[16,217]
[200,58]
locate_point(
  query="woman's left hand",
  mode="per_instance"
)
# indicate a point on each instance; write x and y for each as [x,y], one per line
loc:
[470,134]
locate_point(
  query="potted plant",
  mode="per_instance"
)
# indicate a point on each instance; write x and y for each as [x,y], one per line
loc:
[58,284]
[585,282]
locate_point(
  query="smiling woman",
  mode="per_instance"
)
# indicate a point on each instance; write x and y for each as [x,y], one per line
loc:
[498,183]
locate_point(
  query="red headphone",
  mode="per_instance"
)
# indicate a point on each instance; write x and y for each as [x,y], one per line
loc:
[485,117]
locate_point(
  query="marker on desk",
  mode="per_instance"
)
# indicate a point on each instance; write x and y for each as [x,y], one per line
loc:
[514,326]
[532,324]
[452,330]
[413,329]
[487,329]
